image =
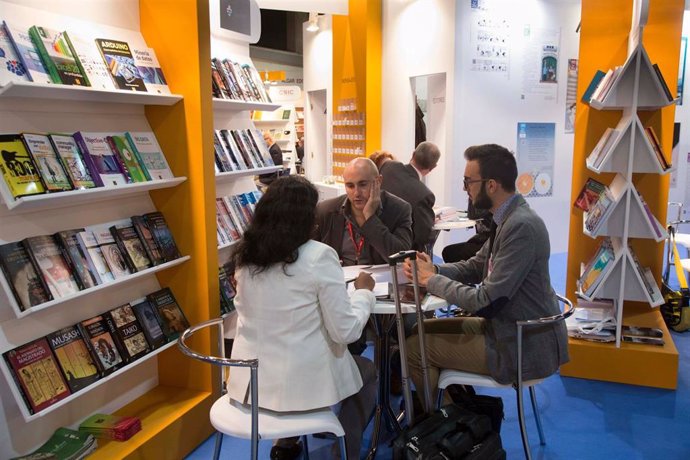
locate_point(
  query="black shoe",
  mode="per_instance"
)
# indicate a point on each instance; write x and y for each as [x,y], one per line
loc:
[286,452]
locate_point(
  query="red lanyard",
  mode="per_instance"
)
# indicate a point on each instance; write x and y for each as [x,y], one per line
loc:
[358,244]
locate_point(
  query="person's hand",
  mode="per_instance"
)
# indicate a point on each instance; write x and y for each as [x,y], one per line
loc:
[374,200]
[425,268]
[364,281]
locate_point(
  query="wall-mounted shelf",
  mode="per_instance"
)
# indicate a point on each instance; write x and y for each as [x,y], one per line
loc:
[231,175]
[238,106]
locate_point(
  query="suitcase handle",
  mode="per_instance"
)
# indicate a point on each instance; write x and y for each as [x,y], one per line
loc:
[394,259]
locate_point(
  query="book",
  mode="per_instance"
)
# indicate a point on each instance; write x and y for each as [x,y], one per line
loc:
[64,444]
[150,70]
[599,211]
[110,250]
[599,151]
[36,373]
[100,159]
[117,427]
[72,161]
[220,89]
[77,258]
[120,62]
[27,53]
[11,67]
[150,246]
[599,266]
[589,194]
[172,318]
[150,155]
[652,220]
[56,53]
[94,256]
[162,235]
[656,146]
[263,148]
[662,81]
[222,158]
[129,332]
[127,158]
[52,266]
[53,175]
[26,284]
[643,340]
[131,247]
[73,357]
[150,323]
[227,291]
[91,62]
[99,335]
[17,168]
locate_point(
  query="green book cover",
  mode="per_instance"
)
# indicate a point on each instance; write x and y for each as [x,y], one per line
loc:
[64,444]
[127,154]
[56,53]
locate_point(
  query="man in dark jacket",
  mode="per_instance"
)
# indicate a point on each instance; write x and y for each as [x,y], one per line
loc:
[277,157]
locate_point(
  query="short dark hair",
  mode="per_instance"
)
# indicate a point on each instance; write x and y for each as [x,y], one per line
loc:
[495,162]
[283,221]
[426,155]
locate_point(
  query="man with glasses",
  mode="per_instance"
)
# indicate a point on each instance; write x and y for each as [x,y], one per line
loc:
[507,280]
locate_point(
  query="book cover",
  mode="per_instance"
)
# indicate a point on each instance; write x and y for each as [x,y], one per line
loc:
[250,82]
[263,148]
[128,160]
[111,252]
[220,89]
[94,256]
[231,153]
[253,147]
[27,286]
[221,156]
[17,168]
[664,86]
[227,292]
[254,75]
[244,148]
[77,259]
[148,318]
[587,95]
[238,217]
[36,372]
[150,246]
[73,357]
[172,318]
[117,427]
[64,444]
[161,233]
[228,78]
[91,62]
[589,194]
[53,175]
[52,266]
[100,340]
[150,70]
[11,67]
[100,158]
[72,161]
[600,211]
[129,332]
[226,220]
[54,48]
[601,265]
[240,77]
[120,62]
[150,155]
[131,247]
[27,53]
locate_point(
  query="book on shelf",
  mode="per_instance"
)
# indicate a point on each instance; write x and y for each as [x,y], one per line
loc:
[100,159]
[658,231]
[255,145]
[99,335]
[222,157]
[120,63]
[77,259]
[131,247]
[150,155]
[162,235]
[117,427]
[53,175]
[55,50]
[129,333]
[597,268]
[232,87]
[72,161]
[110,250]
[236,214]
[647,281]
[150,70]
[589,92]
[36,373]
[233,150]
[220,89]
[150,322]
[11,67]
[262,146]
[258,81]
[227,291]
[229,227]
[22,276]
[600,211]
[589,194]
[26,52]
[73,356]
[600,151]
[51,265]
[152,249]
[127,160]
[662,81]
[95,259]
[172,318]
[656,146]
[643,340]
[91,62]
[64,444]
[236,71]
[18,168]
[250,82]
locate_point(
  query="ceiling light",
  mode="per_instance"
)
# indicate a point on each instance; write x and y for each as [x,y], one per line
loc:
[313,22]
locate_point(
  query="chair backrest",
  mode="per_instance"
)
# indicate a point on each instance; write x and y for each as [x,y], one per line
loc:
[252,364]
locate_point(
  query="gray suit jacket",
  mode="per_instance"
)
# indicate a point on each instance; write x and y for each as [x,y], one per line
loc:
[518,288]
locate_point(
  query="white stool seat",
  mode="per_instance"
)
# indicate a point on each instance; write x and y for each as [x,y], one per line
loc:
[453,377]
[232,418]
[683,239]
[685,263]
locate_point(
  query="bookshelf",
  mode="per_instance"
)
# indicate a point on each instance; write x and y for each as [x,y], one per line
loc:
[612,146]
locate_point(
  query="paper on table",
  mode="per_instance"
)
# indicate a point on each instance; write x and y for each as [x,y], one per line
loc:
[352,271]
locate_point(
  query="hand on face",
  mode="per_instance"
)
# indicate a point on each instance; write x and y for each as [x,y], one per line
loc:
[374,200]
[425,269]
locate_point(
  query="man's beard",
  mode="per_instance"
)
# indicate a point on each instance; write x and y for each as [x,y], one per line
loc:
[482,200]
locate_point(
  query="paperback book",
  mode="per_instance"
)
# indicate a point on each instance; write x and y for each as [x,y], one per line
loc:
[129,164]
[150,70]
[22,276]
[589,194]
[100,339]
[100,159]
[73,357]
[27,53]
[94,257]
[129,332]
[117,427]
[77,258]
[55,50]
[91,62]
[150,323]
[64,444]
[17,168]
[51,265]
[162,235]
[11,67]
[120,62]
[111,252]
[150,155]
[172,318]
[53,176]
[131,247]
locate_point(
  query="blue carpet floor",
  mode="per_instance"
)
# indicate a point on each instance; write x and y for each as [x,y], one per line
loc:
[582,419]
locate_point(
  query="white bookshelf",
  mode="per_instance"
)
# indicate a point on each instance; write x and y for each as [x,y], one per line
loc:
[235,106]
[233,175]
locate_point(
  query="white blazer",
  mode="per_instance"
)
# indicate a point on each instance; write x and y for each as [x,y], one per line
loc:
[298,325]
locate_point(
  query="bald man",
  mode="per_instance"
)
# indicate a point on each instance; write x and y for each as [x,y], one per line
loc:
[365,225]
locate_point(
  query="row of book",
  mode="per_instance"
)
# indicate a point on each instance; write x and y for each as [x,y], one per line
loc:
[33,163]
[234,213]
[107,426]
[49,369]
[44,55]
[602,82]
[64,444]
[611,137]
[240,149]
[228,288]
[240,82]
[47,267]
[281,114]
[597,201]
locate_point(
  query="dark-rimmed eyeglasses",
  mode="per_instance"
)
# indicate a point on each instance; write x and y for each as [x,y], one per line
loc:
[466,181]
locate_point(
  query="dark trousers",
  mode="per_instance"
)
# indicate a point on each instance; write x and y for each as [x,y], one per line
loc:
[463,251]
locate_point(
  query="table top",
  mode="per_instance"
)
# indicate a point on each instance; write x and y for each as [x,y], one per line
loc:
[456,224]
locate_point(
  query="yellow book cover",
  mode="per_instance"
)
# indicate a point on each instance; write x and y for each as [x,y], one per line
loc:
[17,167]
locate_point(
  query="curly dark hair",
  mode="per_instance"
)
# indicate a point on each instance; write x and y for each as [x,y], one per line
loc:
[283,221]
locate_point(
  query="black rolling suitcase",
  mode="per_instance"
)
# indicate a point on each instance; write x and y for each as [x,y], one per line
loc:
[450,432]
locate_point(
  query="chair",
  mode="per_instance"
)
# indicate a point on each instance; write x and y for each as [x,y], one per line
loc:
[235,419]
[450,376]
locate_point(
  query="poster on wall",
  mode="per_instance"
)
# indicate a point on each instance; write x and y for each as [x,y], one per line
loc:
[535,158]
[571,96]
[674,155]
[489,37]
[540,64]
[235,16]
[681,68]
